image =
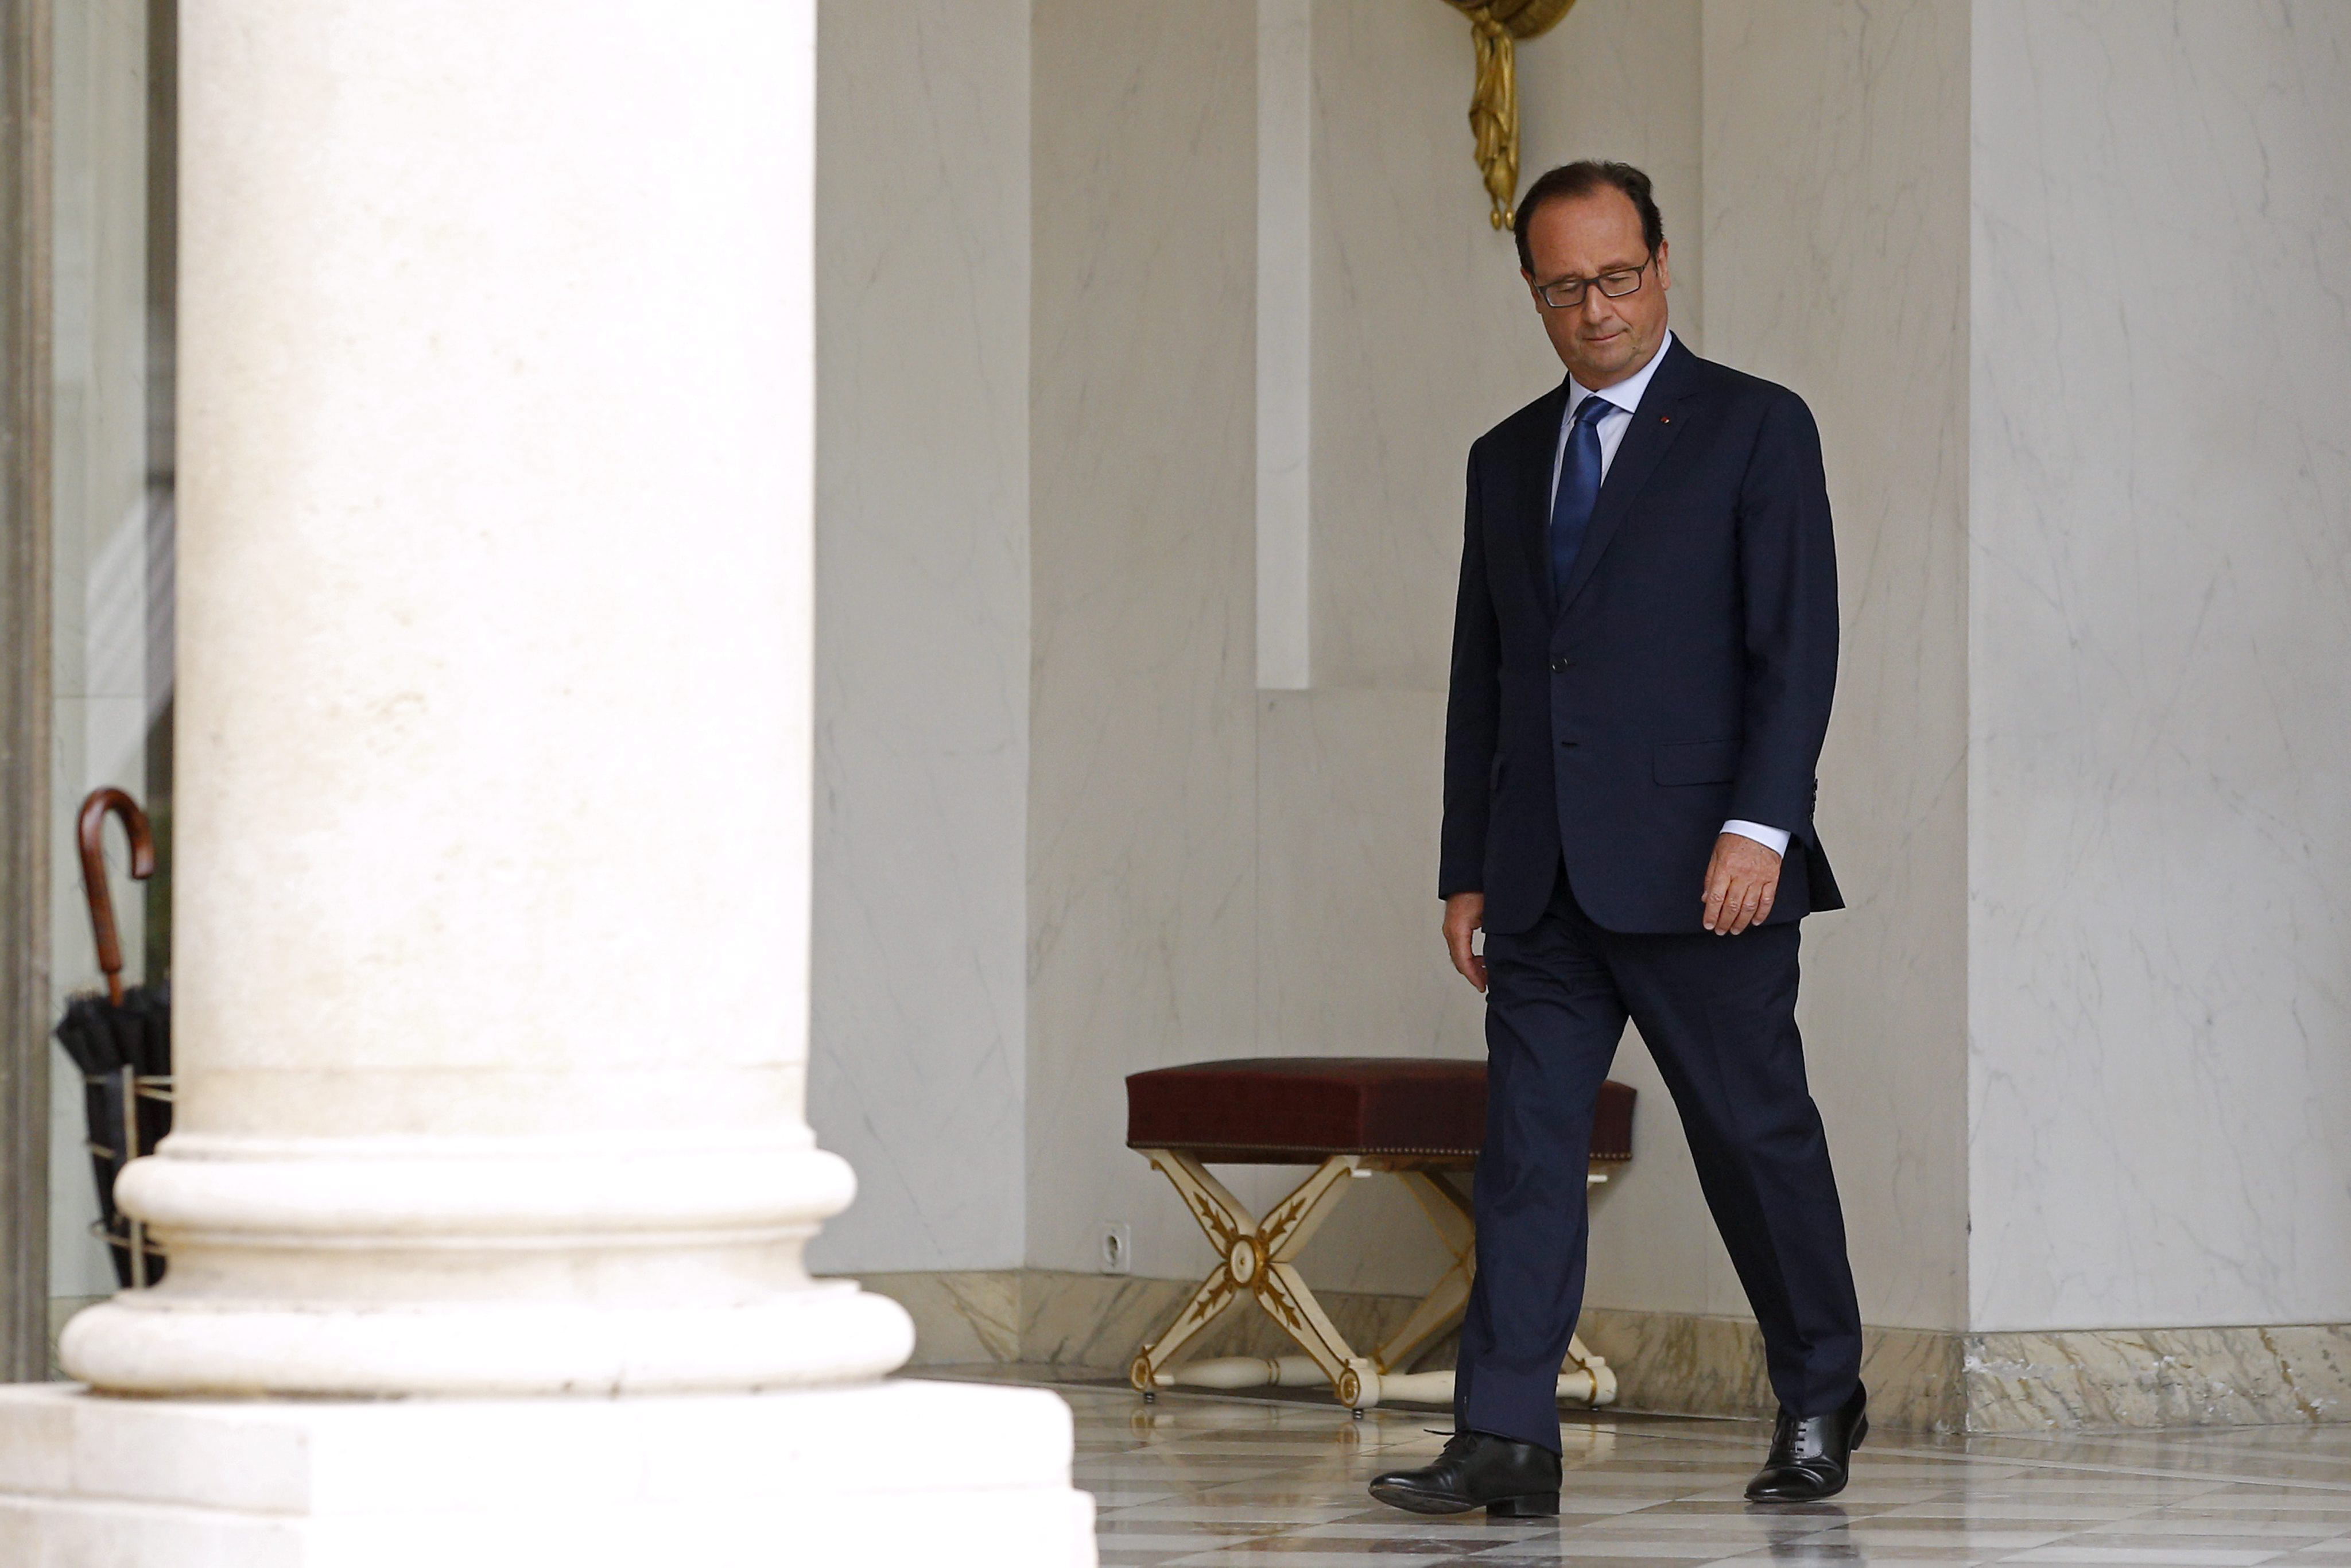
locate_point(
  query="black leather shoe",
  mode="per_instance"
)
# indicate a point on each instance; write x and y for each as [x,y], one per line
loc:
[1811,1455]
[1478,1469]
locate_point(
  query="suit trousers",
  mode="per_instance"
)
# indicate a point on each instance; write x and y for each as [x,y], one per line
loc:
[1719,1014]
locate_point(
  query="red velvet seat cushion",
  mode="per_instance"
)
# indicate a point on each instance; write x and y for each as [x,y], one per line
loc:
[1282,1110]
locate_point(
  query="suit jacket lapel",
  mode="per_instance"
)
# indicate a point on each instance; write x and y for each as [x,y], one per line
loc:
[1534,492]
[1646,440]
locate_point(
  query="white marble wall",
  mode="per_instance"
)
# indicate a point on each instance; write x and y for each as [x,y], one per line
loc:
[1836,263]
[2160,1062]
[1285,341]
[2077,787]
[1141,850]
[921,1004]
[1424,338]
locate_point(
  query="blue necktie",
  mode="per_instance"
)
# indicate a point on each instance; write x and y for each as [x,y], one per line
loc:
[1579,490]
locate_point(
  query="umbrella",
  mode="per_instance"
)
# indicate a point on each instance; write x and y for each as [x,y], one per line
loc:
[122,1042]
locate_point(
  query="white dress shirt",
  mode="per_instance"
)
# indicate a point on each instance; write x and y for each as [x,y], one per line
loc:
[1611,428]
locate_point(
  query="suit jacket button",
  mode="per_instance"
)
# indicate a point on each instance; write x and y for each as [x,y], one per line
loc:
[1559,664]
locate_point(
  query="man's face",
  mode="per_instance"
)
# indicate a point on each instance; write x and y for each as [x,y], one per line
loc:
[1601,341]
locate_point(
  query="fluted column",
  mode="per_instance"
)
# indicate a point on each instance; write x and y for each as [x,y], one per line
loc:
[494,725]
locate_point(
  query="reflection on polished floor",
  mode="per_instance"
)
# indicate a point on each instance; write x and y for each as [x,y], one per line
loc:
[1202,1480]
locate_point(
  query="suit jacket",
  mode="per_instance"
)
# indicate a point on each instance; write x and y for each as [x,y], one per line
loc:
[1683,679]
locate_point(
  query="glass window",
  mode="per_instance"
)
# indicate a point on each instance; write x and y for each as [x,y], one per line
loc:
[111,485]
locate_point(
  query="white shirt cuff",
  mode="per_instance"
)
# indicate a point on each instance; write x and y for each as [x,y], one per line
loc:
[1772,838]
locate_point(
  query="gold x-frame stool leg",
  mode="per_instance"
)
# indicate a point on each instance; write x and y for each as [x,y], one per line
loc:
[1255,1262]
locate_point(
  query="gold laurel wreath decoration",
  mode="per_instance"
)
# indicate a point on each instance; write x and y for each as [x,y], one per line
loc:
[1495,29]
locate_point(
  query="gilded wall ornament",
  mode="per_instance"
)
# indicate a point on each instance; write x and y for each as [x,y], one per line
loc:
[1496,27]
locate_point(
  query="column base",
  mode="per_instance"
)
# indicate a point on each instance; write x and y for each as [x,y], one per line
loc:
[167,1341]
[879,1474]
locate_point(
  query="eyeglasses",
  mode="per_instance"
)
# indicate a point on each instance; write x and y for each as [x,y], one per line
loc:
[1569,291]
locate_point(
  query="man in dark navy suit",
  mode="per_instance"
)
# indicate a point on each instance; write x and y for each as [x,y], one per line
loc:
[1643,650]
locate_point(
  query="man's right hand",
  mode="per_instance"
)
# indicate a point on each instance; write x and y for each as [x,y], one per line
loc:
[1464,913]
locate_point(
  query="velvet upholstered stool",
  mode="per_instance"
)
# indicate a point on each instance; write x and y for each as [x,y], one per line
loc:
[1421,1119]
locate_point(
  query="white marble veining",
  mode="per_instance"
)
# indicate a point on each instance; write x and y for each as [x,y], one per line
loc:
[1285,380]
[1206,1479]
[1835,169]
[1714,1366]
[1142,853]
[2159,481]
[1349,962]
[1919,1379]
[1424,336]
[2292,1375]
[960,1317]
[921,1008]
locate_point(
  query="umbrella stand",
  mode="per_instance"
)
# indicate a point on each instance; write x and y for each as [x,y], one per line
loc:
[131,1228]
[122,1042]
[137,1086]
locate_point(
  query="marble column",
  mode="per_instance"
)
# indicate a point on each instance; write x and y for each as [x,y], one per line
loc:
[494,734]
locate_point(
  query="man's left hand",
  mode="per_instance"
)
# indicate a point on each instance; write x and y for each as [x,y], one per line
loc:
[1740,882]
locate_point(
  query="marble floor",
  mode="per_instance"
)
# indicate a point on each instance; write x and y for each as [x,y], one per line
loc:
[1202,1479]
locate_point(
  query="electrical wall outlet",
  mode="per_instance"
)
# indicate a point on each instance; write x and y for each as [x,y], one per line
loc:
[1116,1243]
